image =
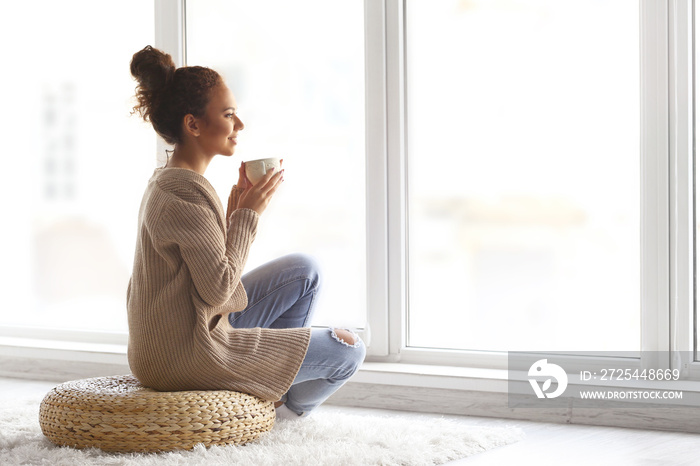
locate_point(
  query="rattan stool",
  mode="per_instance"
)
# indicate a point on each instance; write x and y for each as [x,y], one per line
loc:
[118,414]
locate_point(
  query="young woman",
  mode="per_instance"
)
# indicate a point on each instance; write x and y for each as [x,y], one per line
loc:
[196,322]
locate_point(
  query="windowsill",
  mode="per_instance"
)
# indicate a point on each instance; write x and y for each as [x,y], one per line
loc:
[429,376]
[60,350]
[60,345]
[483,380]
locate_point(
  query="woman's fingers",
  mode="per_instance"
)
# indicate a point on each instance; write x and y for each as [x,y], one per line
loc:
[271,180]
[243,180]
[273,184]
[277,184]
[258,197]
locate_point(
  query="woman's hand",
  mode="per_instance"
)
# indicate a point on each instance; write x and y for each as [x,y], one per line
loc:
[256,197]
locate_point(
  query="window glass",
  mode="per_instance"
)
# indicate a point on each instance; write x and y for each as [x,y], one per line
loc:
[75,163]
[297,72]
[524,174]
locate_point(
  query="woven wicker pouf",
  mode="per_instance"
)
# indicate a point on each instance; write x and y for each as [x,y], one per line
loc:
[118,414]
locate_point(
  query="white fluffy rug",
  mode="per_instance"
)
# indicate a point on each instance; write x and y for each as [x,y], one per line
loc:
[325,438]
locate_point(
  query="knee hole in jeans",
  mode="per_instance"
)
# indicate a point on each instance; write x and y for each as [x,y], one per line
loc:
[345,336]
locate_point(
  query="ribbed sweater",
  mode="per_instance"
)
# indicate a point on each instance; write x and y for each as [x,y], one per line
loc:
[186,280]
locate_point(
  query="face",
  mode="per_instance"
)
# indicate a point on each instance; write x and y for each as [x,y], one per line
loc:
[220,125]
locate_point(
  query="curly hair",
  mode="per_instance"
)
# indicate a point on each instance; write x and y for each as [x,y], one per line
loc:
[165,93]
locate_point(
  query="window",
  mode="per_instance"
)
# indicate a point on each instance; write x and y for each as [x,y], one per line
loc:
[297,71]
[76,162]
[523,175]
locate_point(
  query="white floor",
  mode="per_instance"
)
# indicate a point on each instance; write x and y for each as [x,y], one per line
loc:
[545,444]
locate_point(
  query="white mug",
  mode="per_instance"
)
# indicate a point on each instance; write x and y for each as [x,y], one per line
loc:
[256,169]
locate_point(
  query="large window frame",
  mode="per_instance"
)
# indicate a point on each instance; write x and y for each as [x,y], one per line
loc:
[683,243]
[667,157]
[667,251]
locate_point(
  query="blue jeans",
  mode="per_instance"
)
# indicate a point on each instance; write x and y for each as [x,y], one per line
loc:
[281,294]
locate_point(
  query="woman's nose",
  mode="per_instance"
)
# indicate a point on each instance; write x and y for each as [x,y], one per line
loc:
[238,124]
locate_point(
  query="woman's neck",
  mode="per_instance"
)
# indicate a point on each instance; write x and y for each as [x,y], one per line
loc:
[189,158]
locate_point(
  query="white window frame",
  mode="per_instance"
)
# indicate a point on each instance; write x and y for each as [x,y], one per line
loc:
[682,202]
[667,204]
[170,29]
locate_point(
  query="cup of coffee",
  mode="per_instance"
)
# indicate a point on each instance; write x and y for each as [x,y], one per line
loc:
[256,169]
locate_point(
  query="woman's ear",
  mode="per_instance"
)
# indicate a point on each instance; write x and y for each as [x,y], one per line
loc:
[191,125]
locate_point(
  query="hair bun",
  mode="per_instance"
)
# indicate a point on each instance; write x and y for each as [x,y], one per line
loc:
[152,68]
[165,94]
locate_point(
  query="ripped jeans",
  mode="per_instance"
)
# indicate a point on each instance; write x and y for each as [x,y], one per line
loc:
[281,294]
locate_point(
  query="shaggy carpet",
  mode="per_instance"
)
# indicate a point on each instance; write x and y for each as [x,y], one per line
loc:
[328,437]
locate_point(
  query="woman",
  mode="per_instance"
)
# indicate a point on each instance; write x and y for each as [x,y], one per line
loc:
[195,321]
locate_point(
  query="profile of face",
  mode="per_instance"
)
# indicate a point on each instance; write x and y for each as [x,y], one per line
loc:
[219,126]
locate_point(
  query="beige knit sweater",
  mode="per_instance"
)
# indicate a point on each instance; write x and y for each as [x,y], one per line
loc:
[186,280]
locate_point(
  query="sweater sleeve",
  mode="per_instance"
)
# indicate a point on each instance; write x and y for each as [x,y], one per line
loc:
[215,259]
